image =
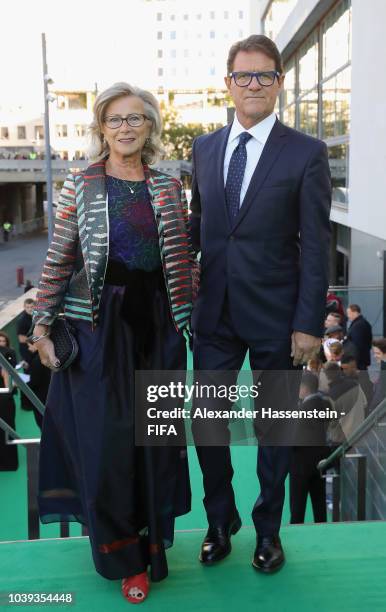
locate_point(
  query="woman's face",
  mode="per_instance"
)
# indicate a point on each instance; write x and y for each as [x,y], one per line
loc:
[378,355]
[126,140]
[3,341]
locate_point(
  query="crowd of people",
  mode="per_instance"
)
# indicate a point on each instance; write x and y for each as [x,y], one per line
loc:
[38,377]
[338,378]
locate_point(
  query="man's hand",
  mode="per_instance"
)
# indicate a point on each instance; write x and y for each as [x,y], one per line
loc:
[304,347]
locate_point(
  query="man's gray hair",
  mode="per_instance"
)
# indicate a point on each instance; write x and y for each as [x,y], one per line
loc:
[98,148]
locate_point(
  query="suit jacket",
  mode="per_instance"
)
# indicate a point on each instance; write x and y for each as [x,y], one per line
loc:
[75,267]
[273,263]
[361,335]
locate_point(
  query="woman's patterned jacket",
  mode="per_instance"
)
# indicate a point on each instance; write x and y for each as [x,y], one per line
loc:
[75,267]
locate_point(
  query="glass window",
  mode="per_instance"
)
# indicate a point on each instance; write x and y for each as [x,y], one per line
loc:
[159,53]
[336,93]
[338,156]
[61,131]
[21,132]
[4,133]
[173,35]
[226,14]
[241,14]
[173,53]
[159,16]
[198,16]
[308,113]
[308,64]
[186,17]
[77,100]
[212,34]
[80,130]
[159,35]
[186,52]
[160,71]
[289,115]
[39,132]
[172,17]
[212,70]
[276,16]
[289,92]
[337,38]
[212,14]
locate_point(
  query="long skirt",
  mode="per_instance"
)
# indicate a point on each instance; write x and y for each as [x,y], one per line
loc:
[90,469]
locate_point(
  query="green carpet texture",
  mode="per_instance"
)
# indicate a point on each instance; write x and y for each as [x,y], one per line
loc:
[329,568]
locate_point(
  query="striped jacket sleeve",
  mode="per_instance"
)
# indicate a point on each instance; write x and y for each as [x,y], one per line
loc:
[60,260]
[195,266]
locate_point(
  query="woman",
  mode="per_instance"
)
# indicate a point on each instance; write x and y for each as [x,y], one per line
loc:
[8,453]
[121,267]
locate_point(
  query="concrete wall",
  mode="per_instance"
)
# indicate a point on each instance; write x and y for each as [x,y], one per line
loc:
[367,206]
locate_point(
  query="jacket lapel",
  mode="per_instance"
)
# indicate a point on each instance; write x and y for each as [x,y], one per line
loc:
[270,153]
[221,146]
[93,225]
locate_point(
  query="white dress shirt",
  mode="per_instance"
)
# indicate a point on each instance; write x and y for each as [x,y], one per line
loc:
[254,146]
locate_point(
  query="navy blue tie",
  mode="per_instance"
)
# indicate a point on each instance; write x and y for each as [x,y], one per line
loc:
[235,176]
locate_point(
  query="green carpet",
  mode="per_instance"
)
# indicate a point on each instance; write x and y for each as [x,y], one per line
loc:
[330,568]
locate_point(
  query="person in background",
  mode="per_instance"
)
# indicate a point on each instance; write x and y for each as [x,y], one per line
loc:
[349,401]
[305,478]
[379,352]
[7,229]
[9,460]
[360,333]
[24,325]
[334,304]
[332,319]
[28,285]
[40,377]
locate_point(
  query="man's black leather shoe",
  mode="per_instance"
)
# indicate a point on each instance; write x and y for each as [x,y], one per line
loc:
[217,543]
[269,554]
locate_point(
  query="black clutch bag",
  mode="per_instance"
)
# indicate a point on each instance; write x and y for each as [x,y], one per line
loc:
[63,338]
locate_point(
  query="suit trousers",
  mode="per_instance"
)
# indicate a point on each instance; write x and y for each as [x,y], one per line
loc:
[225,350]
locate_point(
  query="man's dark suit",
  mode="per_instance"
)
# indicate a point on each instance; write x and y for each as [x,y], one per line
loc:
[361,336]
[260,280]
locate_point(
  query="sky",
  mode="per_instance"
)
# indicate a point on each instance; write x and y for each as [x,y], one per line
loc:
[87,42]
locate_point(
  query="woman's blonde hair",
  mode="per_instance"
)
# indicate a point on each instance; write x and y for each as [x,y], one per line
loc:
[98,148]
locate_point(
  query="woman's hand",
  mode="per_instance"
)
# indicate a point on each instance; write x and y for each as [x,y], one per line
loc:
[47,355]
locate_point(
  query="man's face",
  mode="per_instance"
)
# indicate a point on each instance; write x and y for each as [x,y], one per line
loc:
[29,308]
[254,102]
[350,368]
[331,320]
[351,314]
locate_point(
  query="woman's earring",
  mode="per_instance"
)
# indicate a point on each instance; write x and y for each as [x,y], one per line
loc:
[147,141]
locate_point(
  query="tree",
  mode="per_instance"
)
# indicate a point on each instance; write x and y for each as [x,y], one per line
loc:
[177,138]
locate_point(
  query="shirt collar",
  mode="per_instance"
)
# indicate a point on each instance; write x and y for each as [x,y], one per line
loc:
[260,131]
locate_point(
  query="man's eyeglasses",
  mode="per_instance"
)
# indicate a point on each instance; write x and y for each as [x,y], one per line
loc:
[265,79]
[133,120]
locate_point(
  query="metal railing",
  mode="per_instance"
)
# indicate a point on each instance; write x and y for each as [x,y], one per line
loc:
[341,452]
[32,448]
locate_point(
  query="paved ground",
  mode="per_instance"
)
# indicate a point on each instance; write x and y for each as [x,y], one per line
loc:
[28,252]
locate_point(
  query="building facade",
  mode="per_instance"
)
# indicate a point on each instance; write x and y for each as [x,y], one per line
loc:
[334,91]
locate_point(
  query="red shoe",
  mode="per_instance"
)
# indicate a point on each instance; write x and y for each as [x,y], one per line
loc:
[136,588]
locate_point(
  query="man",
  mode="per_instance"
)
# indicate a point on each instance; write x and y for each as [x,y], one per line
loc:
[332,319]
[360,334]
[23,326]
[305,478]
[260,207]
[336,332]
